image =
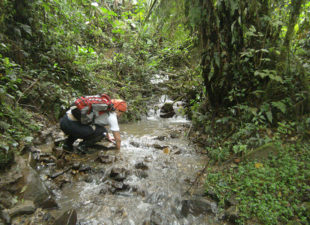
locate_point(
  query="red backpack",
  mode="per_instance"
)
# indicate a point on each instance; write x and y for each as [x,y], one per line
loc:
[87,108]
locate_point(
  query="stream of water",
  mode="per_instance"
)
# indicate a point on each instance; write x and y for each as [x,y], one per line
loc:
[158,165]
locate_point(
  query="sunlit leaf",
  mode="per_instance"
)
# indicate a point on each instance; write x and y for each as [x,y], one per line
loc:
[279,105]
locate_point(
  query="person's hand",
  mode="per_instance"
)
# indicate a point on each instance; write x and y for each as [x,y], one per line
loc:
[110,139]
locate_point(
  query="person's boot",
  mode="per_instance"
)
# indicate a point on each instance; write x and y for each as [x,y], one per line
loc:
[68,145]
[83,146]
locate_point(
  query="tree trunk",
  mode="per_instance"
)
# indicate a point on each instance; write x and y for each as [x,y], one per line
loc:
[294,14]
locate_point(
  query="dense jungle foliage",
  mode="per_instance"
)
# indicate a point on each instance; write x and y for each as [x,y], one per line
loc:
[242,67]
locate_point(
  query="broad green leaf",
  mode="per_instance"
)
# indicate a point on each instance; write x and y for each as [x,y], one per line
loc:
[24,189]
[269,116]
[253,110]
[28,139]
[217,59]
[279,105]
[27,29]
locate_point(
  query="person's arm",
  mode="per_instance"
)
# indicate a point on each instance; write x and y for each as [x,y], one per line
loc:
[110,139]
[117,138]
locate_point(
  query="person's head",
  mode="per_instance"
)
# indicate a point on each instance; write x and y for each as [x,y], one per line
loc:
[119,105]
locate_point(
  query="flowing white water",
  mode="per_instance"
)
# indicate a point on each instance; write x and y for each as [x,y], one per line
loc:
[154,194]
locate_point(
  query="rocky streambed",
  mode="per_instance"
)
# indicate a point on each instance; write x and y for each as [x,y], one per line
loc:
[156,178]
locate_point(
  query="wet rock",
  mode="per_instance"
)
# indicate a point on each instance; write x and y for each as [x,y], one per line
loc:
[59,173]
[104,190]
[135,144]
[47,147]
[119,174]
[167,110]
[156,197]
[148,159]
[177,152]
[48,203]
[100,171]
[141,165]
[141,174]
[26,207]
[31,187]
[74,172]
[156,218]
[76,165]
[106,159]
[88,179]
[61,181]
[58,152]
[161,138]
[175,134]
[60,163]
[137,189]
[6,199]
[146,222]
[47,158]
[24,180]
[84,168]
[119,186]
[46,136]
[158,146]
[5,217]
[41,217]
[113,186]
[9,179]
[68,218]
[197,207]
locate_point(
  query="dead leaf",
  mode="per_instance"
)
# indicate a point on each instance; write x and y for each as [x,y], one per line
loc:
[237,160]
[166,150]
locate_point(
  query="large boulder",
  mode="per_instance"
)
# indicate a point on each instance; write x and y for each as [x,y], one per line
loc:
[167,110]
[26,207]
[24,181]
[35,190]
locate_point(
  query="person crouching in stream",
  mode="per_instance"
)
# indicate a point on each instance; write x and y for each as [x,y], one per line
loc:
[96,131]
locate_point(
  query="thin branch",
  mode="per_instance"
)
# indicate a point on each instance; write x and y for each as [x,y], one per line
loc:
[28,88]
[199,175]
[150,11]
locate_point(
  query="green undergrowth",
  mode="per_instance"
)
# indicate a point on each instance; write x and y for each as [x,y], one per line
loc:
[272,191]
[17,127]
[264,173]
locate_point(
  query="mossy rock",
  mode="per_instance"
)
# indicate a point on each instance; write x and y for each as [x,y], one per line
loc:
[167,110]
[6,158]
[263,152]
